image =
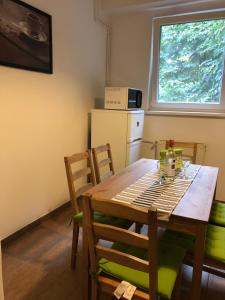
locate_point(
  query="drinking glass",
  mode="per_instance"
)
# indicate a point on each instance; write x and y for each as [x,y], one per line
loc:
[161,171]
[186,164]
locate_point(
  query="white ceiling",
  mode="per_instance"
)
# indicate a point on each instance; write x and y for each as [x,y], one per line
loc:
[122,6]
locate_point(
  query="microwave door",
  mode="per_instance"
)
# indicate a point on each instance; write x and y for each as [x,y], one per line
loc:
[131,98]
[132,103]
[134,98]
[139,99]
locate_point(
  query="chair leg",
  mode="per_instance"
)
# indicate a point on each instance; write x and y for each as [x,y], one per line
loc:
[177,288]
[94,290]
[138,227]
[74,244]
[85,266]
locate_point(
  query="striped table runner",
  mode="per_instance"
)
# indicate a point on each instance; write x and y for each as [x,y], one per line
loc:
[148,191]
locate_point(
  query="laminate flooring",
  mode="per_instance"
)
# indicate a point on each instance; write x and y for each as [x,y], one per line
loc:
[37,266]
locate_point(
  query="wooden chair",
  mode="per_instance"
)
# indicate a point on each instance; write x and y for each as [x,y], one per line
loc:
[124,261]
[102,157]
[190,148]
[85,174]
[103,162]
[217,216]
[214,259]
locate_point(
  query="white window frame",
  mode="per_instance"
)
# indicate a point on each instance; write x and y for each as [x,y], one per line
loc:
[154,64]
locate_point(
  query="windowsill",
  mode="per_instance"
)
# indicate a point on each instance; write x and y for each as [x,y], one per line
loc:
[196,114]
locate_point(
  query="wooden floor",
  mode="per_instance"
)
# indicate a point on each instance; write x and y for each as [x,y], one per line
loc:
[37,266]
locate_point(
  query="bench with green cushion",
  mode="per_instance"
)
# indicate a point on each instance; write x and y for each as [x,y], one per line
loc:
[217,216]
[170,259]
[214,245]
[101,218]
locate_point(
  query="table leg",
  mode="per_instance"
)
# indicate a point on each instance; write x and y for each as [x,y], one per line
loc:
[85,266]
[198,262]
[214,196]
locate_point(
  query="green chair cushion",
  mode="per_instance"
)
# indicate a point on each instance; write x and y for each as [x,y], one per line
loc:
[217,216]
[104,219]
[215,243]
[170,258]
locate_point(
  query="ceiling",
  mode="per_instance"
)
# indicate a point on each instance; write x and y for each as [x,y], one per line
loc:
[122,6]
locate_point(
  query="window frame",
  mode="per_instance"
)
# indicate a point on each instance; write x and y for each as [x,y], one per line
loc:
[157,22]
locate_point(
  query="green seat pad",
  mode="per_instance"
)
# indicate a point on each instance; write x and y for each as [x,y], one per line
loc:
[217,216]
[170,258]
[215,243]
[104,219]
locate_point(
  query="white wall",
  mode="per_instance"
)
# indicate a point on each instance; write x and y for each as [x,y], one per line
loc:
[130,56]
[44,117]
[109,4]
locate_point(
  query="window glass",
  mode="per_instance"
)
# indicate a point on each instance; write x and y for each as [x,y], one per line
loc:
[191,62]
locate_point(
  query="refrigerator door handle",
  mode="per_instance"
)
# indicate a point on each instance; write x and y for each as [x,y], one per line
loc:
[135,140]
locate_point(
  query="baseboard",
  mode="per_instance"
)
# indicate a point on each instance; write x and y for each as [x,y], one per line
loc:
[35,223]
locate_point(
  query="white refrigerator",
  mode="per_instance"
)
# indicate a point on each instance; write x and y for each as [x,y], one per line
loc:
[122,129]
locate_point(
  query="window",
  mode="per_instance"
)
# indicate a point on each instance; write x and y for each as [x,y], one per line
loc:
[188,62]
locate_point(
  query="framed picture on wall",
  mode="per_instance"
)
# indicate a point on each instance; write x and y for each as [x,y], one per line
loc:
[25,37]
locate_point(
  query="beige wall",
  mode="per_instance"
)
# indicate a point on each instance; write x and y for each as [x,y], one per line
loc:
[202,130]
[130,44]
[44,117]
[130,56]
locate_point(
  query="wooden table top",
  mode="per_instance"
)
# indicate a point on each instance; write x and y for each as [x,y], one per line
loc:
[195,204]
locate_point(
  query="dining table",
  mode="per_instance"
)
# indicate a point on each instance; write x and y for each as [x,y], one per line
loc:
[190,215]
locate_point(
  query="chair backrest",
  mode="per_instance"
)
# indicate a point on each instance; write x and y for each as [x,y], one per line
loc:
[96,231]
[103,162]
[190,150]
[80,178]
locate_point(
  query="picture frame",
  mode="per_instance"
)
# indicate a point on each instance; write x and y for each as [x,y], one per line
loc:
[25,37]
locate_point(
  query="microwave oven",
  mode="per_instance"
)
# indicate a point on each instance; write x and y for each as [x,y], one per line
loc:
[123,98]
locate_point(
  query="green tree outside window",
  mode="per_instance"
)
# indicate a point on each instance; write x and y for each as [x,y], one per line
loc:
[191,62]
